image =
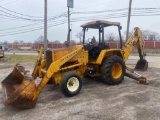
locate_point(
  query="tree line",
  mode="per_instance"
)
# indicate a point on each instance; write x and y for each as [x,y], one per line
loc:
[109,37]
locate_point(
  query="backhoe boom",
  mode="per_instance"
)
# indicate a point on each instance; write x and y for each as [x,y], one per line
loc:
[142,64]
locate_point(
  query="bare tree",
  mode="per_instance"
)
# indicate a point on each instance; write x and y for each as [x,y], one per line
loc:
[118,38]
[21,41]
[147,34]
[40,39]
[5,42]
[79,36]
[150,35]
[56,41]
[110,36]
[157,36]
[73,42]
[15,42]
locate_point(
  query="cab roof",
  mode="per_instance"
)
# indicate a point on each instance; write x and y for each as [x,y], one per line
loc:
[96,24]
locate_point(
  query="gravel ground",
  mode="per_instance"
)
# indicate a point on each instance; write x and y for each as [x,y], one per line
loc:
[127,101]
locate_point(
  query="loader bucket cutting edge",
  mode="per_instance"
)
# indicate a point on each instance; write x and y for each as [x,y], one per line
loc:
[18,89]
[142,65]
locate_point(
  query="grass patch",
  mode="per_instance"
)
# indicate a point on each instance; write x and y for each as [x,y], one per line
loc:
[21,58]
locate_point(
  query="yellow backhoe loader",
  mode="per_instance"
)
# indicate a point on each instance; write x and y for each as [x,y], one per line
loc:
[65,67]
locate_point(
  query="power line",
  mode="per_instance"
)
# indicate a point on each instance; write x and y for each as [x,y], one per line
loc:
[19,13]
[51,17]
[12,28]
[10,3]
[9,15]
[62,15]
[123,13]
[33,24]
[18,17]
[33,29]
[77,19]
[111,1]
[115,10]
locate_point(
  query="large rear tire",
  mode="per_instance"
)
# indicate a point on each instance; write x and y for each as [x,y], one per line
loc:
[71,84]
[112,70]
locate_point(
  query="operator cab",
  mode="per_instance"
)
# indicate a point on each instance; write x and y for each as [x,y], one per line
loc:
[93,48]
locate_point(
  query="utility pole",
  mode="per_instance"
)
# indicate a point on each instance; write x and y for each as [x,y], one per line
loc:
[128,22]
[45,28]
[69,30]
[69,5]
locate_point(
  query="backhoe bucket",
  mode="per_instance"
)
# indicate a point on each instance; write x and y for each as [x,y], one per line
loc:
[18,89]
[142,65]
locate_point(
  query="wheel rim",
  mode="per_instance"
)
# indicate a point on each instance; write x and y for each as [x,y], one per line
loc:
[116,70]
[73,84]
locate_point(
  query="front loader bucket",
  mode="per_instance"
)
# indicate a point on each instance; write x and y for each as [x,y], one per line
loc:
[18,89]
[142,65]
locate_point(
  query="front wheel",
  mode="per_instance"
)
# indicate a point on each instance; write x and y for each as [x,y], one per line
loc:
[71,84]
[113,70]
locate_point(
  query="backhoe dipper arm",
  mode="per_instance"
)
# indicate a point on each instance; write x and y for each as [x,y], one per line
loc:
[139,43]
[131,42]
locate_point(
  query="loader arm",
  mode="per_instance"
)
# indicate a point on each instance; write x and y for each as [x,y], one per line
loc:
[38,63]
[55,67]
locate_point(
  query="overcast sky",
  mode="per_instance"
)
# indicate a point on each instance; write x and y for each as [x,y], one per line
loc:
[56,7]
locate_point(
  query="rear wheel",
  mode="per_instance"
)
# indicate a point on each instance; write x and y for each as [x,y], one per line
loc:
[71,84]
[112,70]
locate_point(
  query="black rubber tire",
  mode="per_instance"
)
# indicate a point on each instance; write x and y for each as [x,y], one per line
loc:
[106,70]
[64,81]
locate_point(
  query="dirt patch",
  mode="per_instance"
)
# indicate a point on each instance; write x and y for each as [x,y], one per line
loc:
[6,65]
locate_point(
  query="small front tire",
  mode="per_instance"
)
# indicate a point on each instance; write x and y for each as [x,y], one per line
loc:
[71,84]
